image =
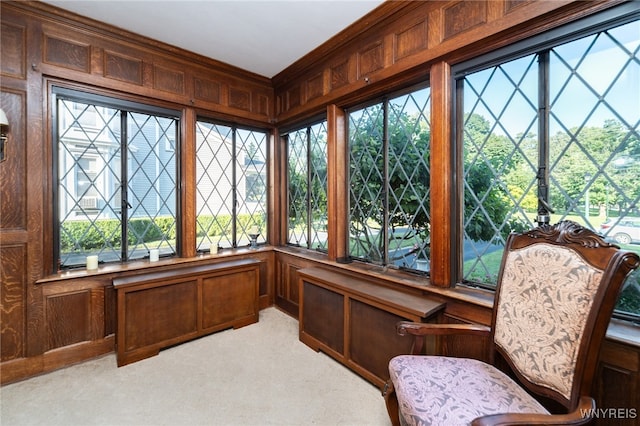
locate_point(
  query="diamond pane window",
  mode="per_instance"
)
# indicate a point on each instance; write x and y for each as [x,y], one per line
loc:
[231,184]
[117,193]
[389,181]
[558,126]
[307,195]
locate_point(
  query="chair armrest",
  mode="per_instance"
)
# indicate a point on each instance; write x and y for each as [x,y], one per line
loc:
[424,329]
[581,415]
[418,330]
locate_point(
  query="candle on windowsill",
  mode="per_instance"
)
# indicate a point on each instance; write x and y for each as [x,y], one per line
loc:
[92,262]
[254,230]
[154,255]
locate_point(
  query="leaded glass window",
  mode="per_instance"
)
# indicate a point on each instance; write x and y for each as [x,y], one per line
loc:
[553,125]
[231,185]
[307,179]
[389,181]
[116,191]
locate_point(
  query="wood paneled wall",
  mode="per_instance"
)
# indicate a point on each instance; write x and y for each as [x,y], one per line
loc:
[400,41]
[48,320]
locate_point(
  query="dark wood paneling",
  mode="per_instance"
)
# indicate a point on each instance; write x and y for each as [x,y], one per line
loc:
[68,318]
[229,297]
[13,170]
[314,87]
[168,80]
[373,338]
[411,40]
[239,98]
[323,313]
[293,97]
[462,16]
[67,53]
[160,314]
[339,75]
[13,52]
[123,68]
[159,309]
[13,267]
[616,385]
[206,90]
[370,59]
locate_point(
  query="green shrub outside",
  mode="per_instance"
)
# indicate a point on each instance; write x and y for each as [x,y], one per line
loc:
[84,235]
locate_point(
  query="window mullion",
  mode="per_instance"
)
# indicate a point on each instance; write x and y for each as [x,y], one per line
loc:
[308,195]
[124,182]
[234,189]
[385,183]
[544,209]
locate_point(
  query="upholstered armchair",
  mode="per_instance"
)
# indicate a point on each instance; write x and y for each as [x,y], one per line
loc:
[556,291]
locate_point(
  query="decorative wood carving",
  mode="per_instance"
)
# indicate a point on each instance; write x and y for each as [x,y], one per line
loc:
[13,52]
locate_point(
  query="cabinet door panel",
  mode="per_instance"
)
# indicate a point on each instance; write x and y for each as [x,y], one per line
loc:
[373,338]
[229,297]
[160,314]
[323,316]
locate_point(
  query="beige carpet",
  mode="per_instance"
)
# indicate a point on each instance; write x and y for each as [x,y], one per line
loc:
[257,375]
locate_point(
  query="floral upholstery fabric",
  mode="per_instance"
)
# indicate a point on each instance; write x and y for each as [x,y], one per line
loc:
[545,296]
[434,390]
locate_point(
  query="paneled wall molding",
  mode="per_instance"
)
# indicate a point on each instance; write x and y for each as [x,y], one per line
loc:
[97,54]
[401,42]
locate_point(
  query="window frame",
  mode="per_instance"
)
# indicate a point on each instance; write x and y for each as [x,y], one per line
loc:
[236,228]
[540,44]
[81,95]
[384,101]
[311,231]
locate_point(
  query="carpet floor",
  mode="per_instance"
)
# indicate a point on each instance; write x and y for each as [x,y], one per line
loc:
[260,374]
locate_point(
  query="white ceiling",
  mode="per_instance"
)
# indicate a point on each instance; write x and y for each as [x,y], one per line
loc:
[262,36]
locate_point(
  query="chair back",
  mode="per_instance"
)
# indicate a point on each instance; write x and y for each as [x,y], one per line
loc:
[556,292]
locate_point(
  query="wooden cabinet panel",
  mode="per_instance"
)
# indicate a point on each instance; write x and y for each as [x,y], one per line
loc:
[160,314]
[373,339]
[160,309]
[229,297]
[353,319]
[616,385]
[68,318]
[323,313]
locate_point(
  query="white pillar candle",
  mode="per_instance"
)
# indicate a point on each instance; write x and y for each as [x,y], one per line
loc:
[154,255]
[92,262]
[213,249]
[254,230]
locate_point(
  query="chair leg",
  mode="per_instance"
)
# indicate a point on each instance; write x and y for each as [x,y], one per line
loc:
[391,400]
